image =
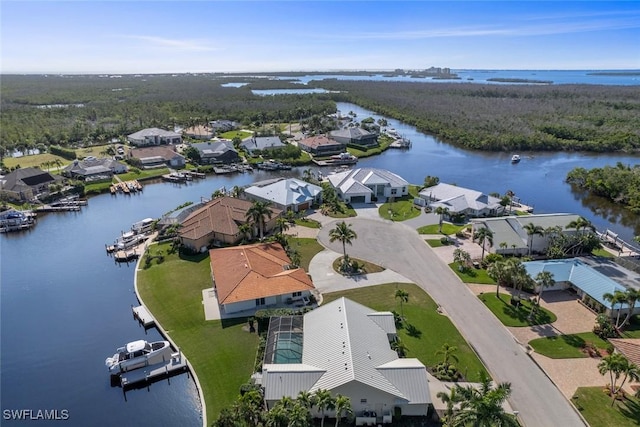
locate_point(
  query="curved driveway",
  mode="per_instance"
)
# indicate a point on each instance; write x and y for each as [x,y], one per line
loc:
[398,247]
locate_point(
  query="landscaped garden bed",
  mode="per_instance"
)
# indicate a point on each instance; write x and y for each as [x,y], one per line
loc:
[512,315]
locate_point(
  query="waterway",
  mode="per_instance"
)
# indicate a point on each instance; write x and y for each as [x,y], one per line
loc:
[66,306]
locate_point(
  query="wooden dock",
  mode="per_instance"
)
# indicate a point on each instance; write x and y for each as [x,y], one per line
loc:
[142,315]
[143,377]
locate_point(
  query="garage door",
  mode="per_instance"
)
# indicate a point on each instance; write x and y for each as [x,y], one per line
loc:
[358,199]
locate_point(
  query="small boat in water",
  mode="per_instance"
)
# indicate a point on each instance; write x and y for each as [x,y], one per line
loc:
[138,354]
[343,159]
[515,158]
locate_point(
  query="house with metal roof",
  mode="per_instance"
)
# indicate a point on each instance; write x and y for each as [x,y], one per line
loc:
[94,169]
[355,136]
[364,185]
[462,201]
[510,231]
[261,143]
[218,222]
[345,347]
[251,277]
[27,184]
[217,152]
[585,279]
[154,136]
[286,194]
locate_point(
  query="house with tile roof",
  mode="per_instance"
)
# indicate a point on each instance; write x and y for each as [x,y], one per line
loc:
[261,143]
[510,230]
[586,280]
[628,347]
[27,184]
[94,169]
[345,347]
[217,152]
[322,145]
[286,194]
[461,201]
[355,136]
[364,185]
[157,157]
[251,277]
[199,132]
[218,223]
[154,136]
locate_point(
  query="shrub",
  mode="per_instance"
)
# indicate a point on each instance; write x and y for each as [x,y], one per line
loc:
[604,328]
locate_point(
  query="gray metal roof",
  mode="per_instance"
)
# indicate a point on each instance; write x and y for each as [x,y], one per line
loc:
[460,198]
[153,132]
[286,192]
[355,181]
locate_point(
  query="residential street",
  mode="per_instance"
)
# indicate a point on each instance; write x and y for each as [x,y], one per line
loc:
[398,247]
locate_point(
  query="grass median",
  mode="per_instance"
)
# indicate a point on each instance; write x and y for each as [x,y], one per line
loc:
[222,353]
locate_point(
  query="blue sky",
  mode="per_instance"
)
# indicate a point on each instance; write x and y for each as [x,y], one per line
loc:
[245,36]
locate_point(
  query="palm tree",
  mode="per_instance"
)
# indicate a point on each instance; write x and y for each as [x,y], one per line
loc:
[616,365]
[298,416]
[398,346]
[533,229]
[581,224]
[448,352]
[617,297]
[324,401]
[517,274]
[282,224]
[244,230]
[343,407]
[257,213]
[450,400]
[631,297]
[403,296]
[461,256]
[306,399]
[442,211]
[544,279]
[344,234]
[483,406]
[499,271]
[484,236]
[237,191]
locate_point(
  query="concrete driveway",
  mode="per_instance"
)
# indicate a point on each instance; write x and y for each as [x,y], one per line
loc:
[398,247]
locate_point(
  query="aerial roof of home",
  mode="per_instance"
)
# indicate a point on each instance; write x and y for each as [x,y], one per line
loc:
[198,131]
[262,270]
[26,176]
[629,347]
[285,192]
[460,198]
[352,132]
[220,215]
[92,165]
[346,342]
[356,180]
[161,151]
[262,142]
[214,148]
[152,132]
[318,141]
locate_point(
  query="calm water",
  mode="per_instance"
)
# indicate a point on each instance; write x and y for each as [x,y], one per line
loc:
[65,305]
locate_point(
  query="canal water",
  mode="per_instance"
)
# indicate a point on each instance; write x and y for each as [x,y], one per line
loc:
[66,306]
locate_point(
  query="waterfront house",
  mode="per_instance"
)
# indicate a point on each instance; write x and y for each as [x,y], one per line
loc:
[199,132]
[586,281]
[27,184]
[322,146]
[511,230]
[286,194]
[261,143]
[157,157]
[218,222]
[251,277]
[94,169]
[356,136]
[345,348]
[217,152]
[461,201]
[364,185]
[154,136]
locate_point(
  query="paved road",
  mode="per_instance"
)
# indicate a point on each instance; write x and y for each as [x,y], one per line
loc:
[398,247]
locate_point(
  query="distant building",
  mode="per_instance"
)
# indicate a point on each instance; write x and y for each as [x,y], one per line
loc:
[355,136]
[251,277]
[462,201]
[157,157]
[94,169]
[217,152]
[220,126]
[26,184]
[321,145]
[199,132]
[286,194]
[154,136]
[363,184]
[261,143]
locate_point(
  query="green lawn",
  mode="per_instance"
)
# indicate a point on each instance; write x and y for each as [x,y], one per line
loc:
[384,144]
[347,212]
[223,356]
[368,266]
[306,222]
[512,316]
[472,275]
[447,229]
[34,161]
[436,243]
[567,346]
[595,407]
[603,253]
[307,248]
[142,174]
[233,133]
[420,311]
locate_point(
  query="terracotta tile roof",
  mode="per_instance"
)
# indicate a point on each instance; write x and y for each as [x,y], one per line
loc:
[255,271]
[221,215]
[318,140]
[629,347]
[164,151]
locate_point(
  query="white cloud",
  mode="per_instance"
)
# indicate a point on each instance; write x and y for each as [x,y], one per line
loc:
[174,44]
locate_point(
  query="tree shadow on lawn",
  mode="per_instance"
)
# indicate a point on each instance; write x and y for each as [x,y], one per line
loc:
[630,409]
[523,311]
[227,323]
[193,257]
[413,332]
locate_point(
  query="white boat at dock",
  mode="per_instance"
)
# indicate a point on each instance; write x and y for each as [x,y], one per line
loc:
[13,220]
[138,354]
[343,159]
